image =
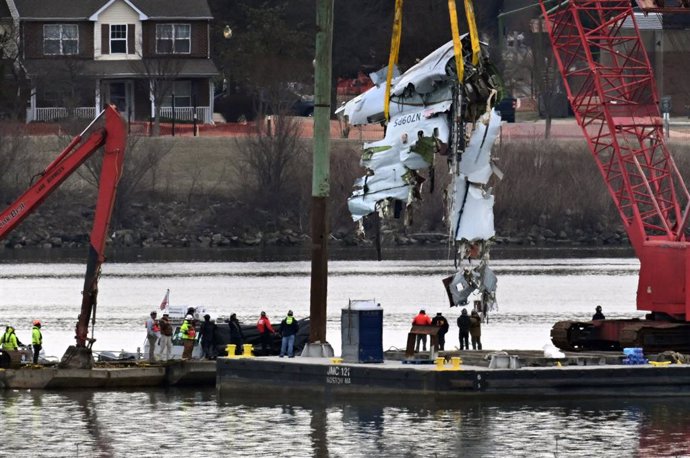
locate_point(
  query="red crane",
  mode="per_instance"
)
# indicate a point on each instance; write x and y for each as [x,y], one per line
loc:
[611,88]
[113,137]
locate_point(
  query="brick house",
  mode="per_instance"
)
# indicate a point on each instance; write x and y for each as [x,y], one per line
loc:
[141,55]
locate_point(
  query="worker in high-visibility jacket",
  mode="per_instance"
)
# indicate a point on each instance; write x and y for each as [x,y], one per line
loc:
[36,339]
[9,341]
[188,336]
[288,330]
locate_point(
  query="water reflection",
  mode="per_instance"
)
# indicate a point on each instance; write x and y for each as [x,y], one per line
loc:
[154,422]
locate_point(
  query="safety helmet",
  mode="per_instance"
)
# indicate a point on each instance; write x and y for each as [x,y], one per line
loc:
[37,323]
[598,309]
[189,317]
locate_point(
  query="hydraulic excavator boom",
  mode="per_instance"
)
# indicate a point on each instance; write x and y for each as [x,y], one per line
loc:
[113,136]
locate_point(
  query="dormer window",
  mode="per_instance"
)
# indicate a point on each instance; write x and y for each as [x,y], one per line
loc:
[60,39]
[118,38]
[173,38]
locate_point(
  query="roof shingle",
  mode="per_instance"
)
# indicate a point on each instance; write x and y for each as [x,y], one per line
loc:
[82,9]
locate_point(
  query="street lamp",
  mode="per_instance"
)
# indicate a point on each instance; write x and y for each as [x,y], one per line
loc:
[227,32]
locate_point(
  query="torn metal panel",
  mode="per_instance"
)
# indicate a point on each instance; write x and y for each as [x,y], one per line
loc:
[476,159]
[488,279]
[367,108]
[459,289]
[379,154]
[427,74]
[477,218]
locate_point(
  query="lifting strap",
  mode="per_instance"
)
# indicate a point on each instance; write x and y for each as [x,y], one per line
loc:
[474,35]
[393,56]
[457,45]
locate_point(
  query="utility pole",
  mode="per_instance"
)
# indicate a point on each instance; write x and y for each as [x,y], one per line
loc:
[320,181]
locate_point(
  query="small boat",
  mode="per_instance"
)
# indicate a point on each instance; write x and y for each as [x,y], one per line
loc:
[221,336]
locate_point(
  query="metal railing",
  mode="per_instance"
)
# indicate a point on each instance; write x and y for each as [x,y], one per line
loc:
[54,113]
[203,114]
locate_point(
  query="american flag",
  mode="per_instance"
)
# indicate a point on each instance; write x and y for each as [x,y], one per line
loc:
[166,300]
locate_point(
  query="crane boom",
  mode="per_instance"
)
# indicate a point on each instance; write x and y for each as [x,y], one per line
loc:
[113,137]
[611,88]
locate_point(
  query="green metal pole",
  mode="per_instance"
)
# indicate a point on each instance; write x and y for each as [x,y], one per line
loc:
[320,174]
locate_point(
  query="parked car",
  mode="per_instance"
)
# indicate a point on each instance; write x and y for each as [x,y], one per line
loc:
[506,108]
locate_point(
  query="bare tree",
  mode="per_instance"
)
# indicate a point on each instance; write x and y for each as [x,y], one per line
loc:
[268,160]
[14,87]
[546,77]
[141,164]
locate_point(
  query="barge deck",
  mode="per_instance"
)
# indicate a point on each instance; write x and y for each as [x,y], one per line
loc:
[326,379]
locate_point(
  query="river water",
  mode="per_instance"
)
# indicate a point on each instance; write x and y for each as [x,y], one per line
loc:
[533,294]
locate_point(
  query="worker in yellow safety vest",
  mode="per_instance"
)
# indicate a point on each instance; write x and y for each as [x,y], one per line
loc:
[188,336]
[9,340]
[36,339]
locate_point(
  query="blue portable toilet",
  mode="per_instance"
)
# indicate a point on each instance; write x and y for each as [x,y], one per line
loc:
[361,327]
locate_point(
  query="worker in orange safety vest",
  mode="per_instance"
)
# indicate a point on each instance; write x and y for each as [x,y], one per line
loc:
[265,332]
[422,319]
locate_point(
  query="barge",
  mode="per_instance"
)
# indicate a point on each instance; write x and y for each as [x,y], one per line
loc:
[592,375]
[120,375]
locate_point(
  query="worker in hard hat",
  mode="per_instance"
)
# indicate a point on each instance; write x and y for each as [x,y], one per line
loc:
[188,336]
[36,339]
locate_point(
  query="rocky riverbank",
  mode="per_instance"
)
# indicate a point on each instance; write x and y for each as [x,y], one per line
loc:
[192,195]
[175,225]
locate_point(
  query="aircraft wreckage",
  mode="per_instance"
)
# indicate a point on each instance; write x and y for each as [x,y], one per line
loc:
[432,115]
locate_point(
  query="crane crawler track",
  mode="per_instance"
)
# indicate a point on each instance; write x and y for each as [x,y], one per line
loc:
[652,336]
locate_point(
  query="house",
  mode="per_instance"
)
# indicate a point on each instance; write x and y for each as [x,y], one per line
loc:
[141,55]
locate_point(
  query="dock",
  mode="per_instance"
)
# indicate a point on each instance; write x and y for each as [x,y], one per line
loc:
[110,375]
[323,378]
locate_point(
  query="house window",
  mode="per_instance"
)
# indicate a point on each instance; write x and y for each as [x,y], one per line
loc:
[173,38]
[118,38]
[60,39]
[182,91]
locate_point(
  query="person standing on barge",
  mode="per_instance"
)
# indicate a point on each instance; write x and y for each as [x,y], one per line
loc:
[476,330]
[152,334]
[598,315]
[464,325]
[288,331]
[208,329]
[265,333]
[165,342]
[440,321]
[36,339]
[188,334]
[422,319]
[236,334]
